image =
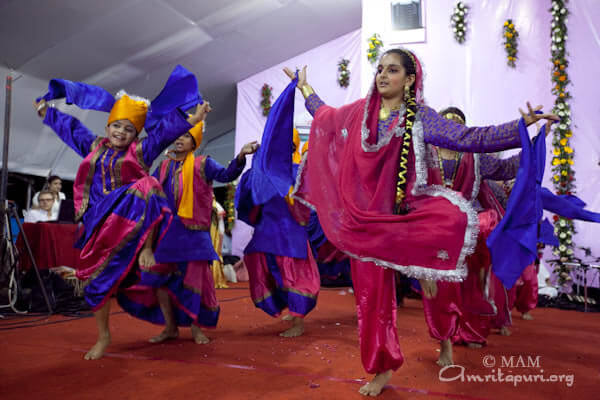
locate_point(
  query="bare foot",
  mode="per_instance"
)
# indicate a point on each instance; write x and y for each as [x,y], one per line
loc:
[504,331]
[97,351]
[146,258]
[64,272]
[445,353]
[288,317]
[167,334]
[297,328]
[526,316]
[429,288]
[375,387]
[199,336]
[472,345]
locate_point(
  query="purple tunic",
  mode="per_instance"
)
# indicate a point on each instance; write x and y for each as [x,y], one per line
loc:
[182,244]
[82,140]
[490,167]
[119,216]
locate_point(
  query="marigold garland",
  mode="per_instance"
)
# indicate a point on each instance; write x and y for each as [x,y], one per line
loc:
[375,45]
[343,73]
[458,21]
[510,42]
[266,94]
[563,154]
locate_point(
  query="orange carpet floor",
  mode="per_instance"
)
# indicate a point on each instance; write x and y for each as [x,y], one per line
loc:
[248,360]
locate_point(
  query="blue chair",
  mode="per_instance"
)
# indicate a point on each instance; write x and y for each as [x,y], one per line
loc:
[15,228]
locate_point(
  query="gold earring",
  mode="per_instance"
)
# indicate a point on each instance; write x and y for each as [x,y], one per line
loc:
[406,93]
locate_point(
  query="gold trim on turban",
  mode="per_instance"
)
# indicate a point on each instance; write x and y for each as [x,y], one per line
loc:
[454,116]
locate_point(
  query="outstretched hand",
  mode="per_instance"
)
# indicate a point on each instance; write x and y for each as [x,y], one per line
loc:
[531,117]
[301,75]
[200,114]
[248,148]
[40,107]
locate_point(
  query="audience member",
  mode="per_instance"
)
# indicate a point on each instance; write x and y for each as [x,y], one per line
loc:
[45,212]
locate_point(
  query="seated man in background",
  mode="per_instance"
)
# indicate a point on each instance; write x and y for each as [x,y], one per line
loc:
[45,213]
[53,184]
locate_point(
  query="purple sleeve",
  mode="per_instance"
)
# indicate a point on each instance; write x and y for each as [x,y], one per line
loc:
[312,103]
[499,169]
[446,133]
[70,130]
[166,132]
[216,172]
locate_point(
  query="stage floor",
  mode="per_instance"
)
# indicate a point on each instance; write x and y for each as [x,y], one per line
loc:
[248,360]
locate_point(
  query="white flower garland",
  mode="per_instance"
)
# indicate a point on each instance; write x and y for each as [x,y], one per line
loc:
[563,155]
[458,21]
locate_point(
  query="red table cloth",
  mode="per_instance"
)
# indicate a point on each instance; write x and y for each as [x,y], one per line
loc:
[51,244]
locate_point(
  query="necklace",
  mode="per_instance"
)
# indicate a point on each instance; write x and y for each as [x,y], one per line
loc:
[449,183]
[384,113]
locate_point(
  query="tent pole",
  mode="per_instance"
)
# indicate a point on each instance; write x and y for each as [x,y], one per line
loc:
[29,187]
[4,208]
[7,105]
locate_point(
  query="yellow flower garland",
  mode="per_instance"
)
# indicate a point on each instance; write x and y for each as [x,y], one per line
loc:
[510,42]
[375,44]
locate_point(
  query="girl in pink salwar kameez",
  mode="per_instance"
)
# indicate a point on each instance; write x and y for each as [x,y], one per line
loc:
[366,177]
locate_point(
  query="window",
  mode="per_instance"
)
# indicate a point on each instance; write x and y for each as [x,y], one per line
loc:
[406,15]
[406,21]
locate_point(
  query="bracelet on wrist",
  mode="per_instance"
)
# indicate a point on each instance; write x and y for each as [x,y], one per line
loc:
[307,90]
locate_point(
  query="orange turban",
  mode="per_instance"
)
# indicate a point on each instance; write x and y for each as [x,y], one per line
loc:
[296,157]
[196,133]
[132,108]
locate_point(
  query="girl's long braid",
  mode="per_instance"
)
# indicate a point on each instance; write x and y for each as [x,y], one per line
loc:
[411,114]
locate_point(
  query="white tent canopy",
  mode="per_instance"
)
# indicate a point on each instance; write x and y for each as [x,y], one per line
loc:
[134,44]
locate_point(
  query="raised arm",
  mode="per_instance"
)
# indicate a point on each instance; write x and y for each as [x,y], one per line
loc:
[446,133]
[70,130]
[312,101]
[215,171]
[498,169]
[170,127]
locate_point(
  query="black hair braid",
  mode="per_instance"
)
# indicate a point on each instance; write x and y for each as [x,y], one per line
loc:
[409,64]
[411,114]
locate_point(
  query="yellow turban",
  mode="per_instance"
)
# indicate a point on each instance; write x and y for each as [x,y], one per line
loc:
[296,157]
[196,133]
[132,108]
